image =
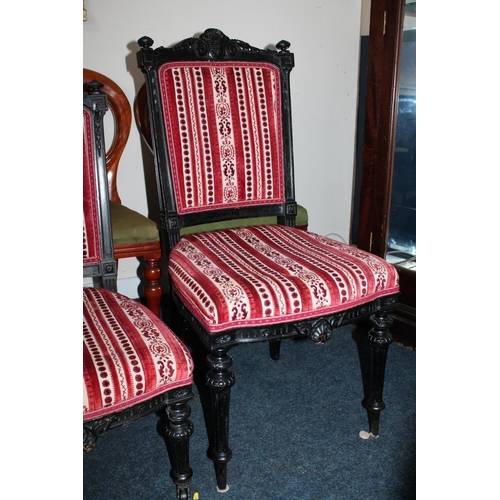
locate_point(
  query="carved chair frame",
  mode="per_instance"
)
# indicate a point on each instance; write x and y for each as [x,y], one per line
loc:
[213,45]
[106,267]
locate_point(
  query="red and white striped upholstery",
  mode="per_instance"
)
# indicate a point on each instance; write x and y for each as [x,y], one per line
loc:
[91,231]
[129,354]
[223,123]
[223,150]
[273,274]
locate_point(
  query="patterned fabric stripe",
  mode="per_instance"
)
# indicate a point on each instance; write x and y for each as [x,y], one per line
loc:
[223,123]
[273,274]
[91,235]
[129,355]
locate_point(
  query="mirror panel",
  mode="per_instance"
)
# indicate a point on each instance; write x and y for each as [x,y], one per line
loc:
[402,241]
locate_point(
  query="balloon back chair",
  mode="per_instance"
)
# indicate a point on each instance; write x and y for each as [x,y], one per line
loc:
[134,235]
[220,116]
[133,364]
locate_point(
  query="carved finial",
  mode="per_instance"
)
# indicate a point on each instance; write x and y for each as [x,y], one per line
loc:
[283,45]
[212,41]
[95,86]
[145,42]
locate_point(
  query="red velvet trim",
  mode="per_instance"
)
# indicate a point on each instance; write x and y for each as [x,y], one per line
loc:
[91,230]
[223,123]
[273,274]
[129,354]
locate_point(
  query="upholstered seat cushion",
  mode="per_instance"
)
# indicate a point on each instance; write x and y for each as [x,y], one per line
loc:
[129,355]
[131,227]
[273,274]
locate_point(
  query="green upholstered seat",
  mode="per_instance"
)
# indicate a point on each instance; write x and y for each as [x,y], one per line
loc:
[301,220]
[131,227]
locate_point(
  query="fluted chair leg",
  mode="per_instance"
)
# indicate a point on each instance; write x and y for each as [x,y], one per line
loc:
[152,288]
[373,366]
[219,380]
[177,430]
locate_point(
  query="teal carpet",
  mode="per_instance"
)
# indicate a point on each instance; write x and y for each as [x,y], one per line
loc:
[294,428]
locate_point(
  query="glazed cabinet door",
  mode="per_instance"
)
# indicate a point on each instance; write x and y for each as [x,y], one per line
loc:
[387,193]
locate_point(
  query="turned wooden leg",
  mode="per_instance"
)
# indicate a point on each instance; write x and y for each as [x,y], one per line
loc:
[152,287]
[177,430]
[373,366]
[219,381]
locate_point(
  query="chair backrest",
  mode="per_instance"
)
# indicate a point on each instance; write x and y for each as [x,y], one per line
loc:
[221,132]
[122,119]
[98,257]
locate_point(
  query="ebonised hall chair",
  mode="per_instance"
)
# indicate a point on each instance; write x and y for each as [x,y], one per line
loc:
[221,129]
[133,364]
[134,235]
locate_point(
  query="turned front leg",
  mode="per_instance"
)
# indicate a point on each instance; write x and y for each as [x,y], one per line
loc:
[379,339]
[177,430]
[219,381]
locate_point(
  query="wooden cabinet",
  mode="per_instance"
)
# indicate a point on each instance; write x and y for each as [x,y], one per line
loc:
[383,155]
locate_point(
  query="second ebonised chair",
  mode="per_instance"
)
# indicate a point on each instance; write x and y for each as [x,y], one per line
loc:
[134,235]
[133,364]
